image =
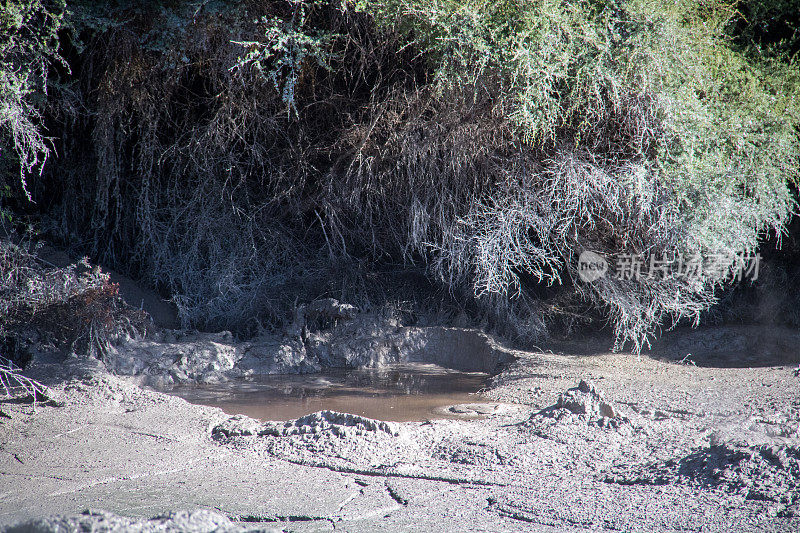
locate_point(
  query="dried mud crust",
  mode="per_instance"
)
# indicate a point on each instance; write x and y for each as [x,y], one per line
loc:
[567,443]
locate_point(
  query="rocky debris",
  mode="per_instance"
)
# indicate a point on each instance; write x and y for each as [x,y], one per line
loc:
[590,429]
[584,403]
[200,521]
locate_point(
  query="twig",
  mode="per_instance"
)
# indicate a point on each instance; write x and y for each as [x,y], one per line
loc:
[9,374]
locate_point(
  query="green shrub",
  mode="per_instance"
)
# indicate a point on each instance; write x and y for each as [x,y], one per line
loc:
[486,144]
[647,133]
[28,47]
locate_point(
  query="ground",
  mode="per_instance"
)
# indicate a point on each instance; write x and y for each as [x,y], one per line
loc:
[700,434]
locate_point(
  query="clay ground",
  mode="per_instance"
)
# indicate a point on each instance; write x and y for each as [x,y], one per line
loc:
[710,444]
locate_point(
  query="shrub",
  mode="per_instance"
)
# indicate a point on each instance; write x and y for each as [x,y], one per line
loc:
[634,127]
[76,307]
[486,144]
[28,48]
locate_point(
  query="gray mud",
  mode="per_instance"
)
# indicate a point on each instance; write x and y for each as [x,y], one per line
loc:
[567,443]
[171,357]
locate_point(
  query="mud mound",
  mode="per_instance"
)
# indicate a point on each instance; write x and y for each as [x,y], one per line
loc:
[763,473]
[584,405]
[328,439]
[440,450]
[200,521]
[587,400]
[341,425]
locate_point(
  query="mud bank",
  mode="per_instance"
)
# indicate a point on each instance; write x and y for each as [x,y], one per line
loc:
[171,357]
[569,443]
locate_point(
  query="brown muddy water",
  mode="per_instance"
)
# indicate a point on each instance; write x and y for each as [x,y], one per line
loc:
[397,393]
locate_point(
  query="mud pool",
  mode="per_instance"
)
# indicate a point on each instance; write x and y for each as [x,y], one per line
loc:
[398,393]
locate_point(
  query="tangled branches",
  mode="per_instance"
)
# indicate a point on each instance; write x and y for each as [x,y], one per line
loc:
[484,144]
[28,48]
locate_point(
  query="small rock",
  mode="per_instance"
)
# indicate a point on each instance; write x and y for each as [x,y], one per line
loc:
[607,410]
[587,387]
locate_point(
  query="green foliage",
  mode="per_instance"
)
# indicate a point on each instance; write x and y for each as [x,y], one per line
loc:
[282,52]
[486,144]
[653,89]
[28,46]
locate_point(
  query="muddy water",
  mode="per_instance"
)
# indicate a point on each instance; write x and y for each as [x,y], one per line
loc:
[399,393]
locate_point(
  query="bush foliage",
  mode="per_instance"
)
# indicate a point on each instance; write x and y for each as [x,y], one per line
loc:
[242,155]
[76,308]
[28,48]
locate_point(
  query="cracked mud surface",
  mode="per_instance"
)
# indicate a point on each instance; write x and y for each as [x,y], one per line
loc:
[643,444]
